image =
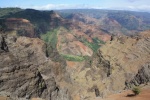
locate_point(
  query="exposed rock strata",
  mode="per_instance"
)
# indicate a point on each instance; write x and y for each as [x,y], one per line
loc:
[22,26]
[26,71]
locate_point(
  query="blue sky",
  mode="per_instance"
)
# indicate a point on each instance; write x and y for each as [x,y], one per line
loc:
[135,5]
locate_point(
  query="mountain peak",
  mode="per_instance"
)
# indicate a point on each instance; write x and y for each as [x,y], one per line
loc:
[55,15]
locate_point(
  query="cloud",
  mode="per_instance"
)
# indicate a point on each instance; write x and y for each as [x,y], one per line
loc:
[58,6]
[145,8]
[132,0]
[83,6]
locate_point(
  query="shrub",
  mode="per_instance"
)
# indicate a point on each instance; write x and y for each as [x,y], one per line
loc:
[136,90]
[72,57]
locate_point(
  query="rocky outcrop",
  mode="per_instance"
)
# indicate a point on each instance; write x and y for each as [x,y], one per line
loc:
[26,72]
[3,44]
[142,77]
[19,73]
[129,59]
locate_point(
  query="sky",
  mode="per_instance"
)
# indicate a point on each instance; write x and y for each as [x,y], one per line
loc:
[133,5]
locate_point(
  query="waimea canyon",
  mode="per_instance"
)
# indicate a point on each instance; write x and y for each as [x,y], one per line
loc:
[82,54]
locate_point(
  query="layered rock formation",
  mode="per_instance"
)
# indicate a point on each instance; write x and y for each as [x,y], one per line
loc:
[27,72]
[22,26]
[19,66]
[128,57]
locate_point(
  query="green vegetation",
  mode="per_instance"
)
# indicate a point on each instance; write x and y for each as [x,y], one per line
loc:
[8,11]
[40,19]
[72,57]
[93,45]
[136,90]
[50,38]
[96,40]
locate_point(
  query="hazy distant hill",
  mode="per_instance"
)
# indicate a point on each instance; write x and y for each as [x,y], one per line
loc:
[112,21]
[131,22]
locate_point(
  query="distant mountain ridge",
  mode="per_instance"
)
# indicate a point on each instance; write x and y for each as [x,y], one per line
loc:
[74,34]
[130,22]
[88,28]
[126,22]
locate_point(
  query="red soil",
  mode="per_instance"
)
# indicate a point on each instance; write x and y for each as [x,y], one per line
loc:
[144,95]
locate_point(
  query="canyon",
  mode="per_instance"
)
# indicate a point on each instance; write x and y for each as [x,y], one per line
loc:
[77,57]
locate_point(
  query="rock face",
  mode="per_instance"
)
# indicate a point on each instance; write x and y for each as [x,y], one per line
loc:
[119,61]
[26,72]
[142,77]
[19,66]
[128,57]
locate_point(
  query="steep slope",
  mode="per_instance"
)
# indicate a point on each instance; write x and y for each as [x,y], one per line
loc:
[105,24]
[128,57]
[22,26]
[39,19]
[88,38]
[19,66]
[26,72]
[68,44]
[120,64]
[88,26]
